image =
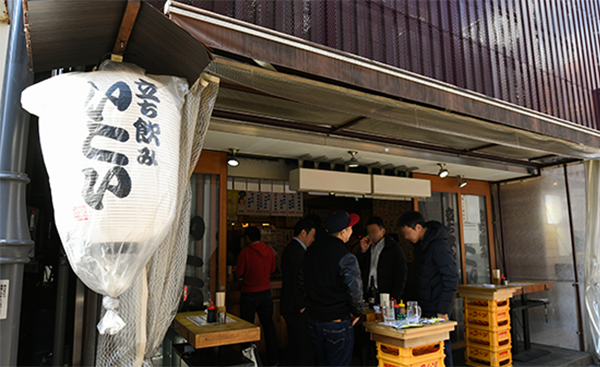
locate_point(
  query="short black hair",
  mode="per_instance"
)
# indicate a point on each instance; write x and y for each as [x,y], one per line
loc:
[315,219]
[253,233]
[411,219]
[376,220]
[303,224]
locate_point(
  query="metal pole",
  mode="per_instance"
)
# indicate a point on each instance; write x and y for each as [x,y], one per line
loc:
[573,249]
[501,222]
[15,241]
[60,315]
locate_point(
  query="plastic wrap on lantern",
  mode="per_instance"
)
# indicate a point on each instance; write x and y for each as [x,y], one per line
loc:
[110,141]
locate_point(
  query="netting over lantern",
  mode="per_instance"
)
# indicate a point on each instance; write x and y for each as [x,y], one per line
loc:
[149,314]
[111,145]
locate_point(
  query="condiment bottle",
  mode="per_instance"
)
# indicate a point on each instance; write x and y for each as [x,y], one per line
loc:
[402,310]
[396,310]
[211,313]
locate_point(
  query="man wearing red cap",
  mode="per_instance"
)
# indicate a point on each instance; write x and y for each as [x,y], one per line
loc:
[333,286]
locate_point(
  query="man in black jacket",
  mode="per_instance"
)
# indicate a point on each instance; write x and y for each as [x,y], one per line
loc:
[437,271]
[293,304]
[382,259]
[331,278]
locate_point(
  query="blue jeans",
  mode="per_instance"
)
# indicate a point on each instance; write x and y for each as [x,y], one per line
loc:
[333,341]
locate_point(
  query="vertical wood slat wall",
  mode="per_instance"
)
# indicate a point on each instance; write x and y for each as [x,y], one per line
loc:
[538,54]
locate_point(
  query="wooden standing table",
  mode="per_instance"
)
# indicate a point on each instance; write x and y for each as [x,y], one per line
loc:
[523,289]
[411,337]
[411,346]
[520,288]
[484,291]
[487,324]
[215,335]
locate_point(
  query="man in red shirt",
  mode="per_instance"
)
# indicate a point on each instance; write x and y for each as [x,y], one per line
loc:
[255,264]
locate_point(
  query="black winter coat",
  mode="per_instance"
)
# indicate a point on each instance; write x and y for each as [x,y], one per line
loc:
[437,271]
[391,269]
[331,280]
[292,300]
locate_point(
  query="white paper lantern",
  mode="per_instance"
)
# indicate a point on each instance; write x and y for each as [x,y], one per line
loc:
[110,141]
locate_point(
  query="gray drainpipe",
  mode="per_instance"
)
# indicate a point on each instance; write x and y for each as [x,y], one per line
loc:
[15,241]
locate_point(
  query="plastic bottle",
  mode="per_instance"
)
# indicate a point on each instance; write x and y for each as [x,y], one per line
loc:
[396,310]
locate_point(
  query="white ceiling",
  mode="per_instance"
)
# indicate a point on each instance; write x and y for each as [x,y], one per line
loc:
[270,142]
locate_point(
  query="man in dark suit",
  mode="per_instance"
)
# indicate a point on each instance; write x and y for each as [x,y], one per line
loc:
[382,259]
[293,304]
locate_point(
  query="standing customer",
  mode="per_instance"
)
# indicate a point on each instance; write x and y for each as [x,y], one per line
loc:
[437,271]
[331,278]
[382,259]
[293,304]
[255,264]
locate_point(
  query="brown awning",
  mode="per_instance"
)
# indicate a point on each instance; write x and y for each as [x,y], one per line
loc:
[72,33]
[440,107]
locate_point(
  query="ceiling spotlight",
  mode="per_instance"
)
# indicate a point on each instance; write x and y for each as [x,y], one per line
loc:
[443,171]
[462,183]
[353,162]
[232,159]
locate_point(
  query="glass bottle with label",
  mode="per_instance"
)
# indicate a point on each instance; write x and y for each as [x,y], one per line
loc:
[372,293]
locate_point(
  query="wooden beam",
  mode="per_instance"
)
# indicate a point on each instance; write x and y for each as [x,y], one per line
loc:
[349,124]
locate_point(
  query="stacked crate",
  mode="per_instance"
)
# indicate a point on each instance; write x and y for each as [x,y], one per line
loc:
[428,355]
[487,332]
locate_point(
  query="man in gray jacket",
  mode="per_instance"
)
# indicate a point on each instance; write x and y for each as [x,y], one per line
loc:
[334,291]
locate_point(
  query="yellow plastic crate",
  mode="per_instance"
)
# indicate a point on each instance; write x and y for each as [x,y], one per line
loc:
[482,336]
[492,320]
[481,356]
[490,305]
[430,362]
[412,355]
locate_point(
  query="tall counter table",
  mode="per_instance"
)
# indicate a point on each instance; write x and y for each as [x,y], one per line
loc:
[209,343]
[487,324]
[412,346]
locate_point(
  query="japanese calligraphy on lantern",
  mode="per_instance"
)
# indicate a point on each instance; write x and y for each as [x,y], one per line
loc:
[110,141]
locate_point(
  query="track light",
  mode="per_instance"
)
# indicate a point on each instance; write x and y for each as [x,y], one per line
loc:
[232,159]
[443,171]
[462,183]
[353,162]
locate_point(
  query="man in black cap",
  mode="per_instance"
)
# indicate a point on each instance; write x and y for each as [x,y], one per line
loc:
[333,285]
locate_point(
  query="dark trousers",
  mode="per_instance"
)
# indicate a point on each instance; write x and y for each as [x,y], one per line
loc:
[261,303]
[448,351]
[301,351]
[447,345]
[333,341]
